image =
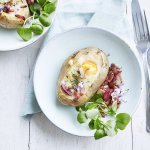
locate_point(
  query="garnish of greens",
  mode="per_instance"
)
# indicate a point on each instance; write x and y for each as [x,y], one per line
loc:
[40,17]
[94,110]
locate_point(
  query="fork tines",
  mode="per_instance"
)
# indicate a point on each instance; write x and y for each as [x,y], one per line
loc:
[141,26]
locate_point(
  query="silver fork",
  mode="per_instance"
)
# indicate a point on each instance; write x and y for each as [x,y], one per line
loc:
[143,45]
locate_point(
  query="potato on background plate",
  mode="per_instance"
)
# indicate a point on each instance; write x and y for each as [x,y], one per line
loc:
[13,13]
[81,75]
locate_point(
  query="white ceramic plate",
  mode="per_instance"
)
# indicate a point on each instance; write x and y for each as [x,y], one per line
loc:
[10,40]
[58,49]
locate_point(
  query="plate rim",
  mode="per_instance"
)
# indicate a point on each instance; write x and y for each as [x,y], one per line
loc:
[39,37]
[133,50]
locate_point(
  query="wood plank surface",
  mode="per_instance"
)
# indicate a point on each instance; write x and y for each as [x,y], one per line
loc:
[15,68]
[44,135]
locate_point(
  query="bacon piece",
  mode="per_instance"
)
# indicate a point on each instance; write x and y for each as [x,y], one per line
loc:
[23,6]
[8,3]
[30,1]
[76,95]
[20,17]
[110,76]
[6,9]
[11,10]
[107,95]
[114,78]
[112,82]
[67,91]
[115,69]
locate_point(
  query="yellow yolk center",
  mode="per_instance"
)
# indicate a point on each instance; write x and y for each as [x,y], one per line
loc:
[89,67]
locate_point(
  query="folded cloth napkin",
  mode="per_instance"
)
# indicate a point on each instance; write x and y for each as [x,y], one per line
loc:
[110,15]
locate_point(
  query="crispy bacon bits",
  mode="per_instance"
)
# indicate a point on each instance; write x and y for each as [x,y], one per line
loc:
[30,1]
[23,6]
[112,82]
[20,17]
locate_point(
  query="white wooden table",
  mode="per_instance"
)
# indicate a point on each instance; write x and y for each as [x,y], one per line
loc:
[38,133]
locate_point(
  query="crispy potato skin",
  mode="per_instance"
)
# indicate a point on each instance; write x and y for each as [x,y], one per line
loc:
[102,74]
[9,20]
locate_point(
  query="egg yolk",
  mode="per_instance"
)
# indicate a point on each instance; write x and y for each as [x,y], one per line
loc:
[89,67]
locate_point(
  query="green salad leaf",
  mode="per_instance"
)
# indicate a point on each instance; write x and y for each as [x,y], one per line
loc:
[37,28]
[91,105]
[81,117]
[122,120]
[98,124]
[25,33]
[99,100]
[41,2]
[45,20]
[114,106]
[110,127]
[92,111]
[95,97]
[99,134]
[37,7]
[39,10]
[31,8]
[91,124]
[81,107]
[52,1]
[49,8]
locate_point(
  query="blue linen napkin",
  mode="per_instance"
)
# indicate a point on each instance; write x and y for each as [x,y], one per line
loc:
[107,14]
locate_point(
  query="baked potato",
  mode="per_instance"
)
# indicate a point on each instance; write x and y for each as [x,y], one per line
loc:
[13,13]
[81,75]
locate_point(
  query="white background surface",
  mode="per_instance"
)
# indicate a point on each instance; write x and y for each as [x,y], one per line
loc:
[38,133]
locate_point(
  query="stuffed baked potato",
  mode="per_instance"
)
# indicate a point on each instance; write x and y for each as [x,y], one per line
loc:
[81,75]
[13,13]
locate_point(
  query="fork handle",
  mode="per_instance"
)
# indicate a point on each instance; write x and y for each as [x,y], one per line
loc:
[147,83]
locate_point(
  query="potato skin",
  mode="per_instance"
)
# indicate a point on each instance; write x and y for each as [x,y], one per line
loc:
[9,20]
[103,66]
